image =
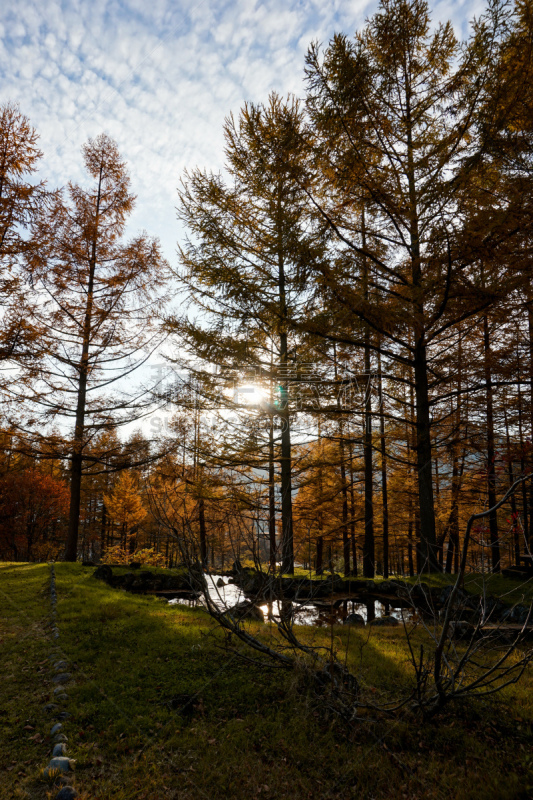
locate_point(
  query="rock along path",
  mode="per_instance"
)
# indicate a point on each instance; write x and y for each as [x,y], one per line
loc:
[59,760]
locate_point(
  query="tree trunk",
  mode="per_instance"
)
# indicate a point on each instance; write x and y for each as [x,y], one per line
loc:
[530,331]
[71,550]
[320,540]
[369,557]
[491,454]
[319,564]
[384,495]
[510,472]
[426,506]
[525,515]
[352,514]
[271,498]
[344,488]
[287,546]
[203,534]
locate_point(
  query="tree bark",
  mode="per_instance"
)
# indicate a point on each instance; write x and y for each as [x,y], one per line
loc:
[344,488]
[384,494]
[271,498]
[426,505]
[71,550]
[287,545]
[514,513]
[352,514]
[369,558]
[424,459]
[525,515]
[203,533]
[491,453]
[530,331]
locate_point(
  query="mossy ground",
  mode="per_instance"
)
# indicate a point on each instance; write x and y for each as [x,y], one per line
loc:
[254,732]
[509,590]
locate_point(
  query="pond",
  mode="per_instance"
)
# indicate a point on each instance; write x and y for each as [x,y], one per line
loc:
[301,613]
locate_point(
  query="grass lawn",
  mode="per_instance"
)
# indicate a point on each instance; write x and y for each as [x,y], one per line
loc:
[251,732]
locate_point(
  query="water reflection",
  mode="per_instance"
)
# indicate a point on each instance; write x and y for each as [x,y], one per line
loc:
[301,613]
[223,596]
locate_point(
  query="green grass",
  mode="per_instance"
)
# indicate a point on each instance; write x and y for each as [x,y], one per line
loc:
[254,732]
[24,592]
[510,591]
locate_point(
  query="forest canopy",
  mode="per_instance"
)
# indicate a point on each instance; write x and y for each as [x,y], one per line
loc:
[346,333]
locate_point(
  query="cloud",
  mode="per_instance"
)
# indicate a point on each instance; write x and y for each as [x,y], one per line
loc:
[160,77]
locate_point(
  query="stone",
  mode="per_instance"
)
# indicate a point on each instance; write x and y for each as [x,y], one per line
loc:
[55,728]
[460,598]
[497,608]
[220,583]
[60,762]
[460,629]
[60,665]
[386,620]
[246,611]
[103,573]
[50,707]
[334,582]
[146,575]
[59,690]
[62,677]
[62,697]
[337,675]
[421,593]
[354,619]
[387,587]
[66,793]
[128,579]
[63,714]
[60,737]
[60,749]
[521,613]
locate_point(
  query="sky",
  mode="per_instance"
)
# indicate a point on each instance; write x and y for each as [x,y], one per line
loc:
[160,76]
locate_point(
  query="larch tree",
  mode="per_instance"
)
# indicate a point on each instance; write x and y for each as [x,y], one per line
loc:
[393,113]
[245,266]
[20,198]
[125,508]
[101,298]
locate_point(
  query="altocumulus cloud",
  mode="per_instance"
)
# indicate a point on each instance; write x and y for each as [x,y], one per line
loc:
[160,76]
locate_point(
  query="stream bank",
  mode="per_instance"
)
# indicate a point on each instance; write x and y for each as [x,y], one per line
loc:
[313,601]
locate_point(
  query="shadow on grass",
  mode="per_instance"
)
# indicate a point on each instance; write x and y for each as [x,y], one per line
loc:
[251,731]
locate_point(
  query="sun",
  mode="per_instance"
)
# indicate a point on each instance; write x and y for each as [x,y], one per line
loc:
[250,394]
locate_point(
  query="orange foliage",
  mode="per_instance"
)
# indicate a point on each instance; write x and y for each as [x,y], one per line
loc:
[33,508]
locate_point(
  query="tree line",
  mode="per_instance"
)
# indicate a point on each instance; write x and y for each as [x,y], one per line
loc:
[350,363]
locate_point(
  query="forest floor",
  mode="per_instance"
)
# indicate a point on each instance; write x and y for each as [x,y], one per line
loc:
[250,731]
